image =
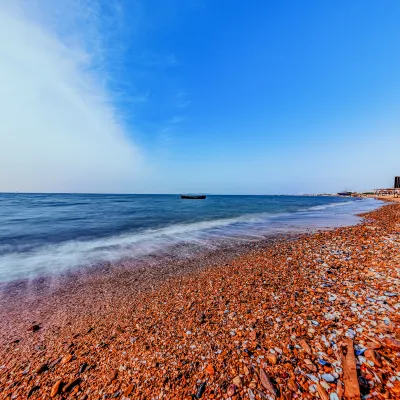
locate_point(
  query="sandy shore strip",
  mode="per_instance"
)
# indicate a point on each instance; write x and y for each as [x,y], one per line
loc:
[313,317]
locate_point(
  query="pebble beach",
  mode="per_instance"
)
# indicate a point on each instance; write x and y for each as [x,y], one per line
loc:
[316,316]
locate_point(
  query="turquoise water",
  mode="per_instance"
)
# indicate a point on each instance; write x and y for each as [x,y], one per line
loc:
[50,233]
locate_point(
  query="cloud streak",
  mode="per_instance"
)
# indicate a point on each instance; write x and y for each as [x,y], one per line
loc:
[59,129]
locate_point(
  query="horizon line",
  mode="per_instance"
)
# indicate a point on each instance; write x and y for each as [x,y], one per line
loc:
[173,194]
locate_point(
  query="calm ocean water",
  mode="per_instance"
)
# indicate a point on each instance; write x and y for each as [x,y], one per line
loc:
[50,233]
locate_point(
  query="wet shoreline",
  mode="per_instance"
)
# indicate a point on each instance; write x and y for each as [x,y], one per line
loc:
[63,235]
[144,273]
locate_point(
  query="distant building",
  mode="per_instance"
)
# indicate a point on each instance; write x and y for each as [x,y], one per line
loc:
[395,191]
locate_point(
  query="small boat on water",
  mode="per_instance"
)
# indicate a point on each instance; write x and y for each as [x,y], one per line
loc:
[193,197]
[345,193]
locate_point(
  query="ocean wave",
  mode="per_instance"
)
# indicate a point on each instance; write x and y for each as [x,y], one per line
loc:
[329,205]
[55,258]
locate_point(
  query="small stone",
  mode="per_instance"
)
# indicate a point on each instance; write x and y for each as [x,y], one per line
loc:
[55,389]
[232,389]
[272,358]
[129,389]
[251,394]
[374,356]
[253,335]
[291,383]
[310,365]
[210,369]
[66,359]
[328,377]
[112,376]
[237,380]
[305,346]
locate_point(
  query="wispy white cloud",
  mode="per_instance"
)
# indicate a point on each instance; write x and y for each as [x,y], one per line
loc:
[59,128]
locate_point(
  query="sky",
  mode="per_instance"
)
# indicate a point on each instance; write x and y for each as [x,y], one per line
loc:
[173,96]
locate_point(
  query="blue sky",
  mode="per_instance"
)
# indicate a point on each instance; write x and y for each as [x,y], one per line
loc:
[223,96]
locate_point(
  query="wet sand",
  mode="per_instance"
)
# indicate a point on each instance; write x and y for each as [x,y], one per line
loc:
[291,318]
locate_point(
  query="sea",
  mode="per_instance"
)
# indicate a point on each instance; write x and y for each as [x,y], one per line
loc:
[50,234]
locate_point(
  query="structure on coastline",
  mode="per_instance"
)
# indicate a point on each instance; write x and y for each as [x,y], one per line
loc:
[395,191]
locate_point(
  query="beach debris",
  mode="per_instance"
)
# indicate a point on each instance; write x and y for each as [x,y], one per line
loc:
[351,387]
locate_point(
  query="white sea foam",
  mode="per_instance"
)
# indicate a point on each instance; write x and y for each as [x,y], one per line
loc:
[329,205]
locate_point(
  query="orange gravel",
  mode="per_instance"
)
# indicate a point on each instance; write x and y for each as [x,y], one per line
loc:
[315,317]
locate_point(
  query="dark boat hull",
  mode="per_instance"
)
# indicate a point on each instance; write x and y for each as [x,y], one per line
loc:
[202,197]
[345,193]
